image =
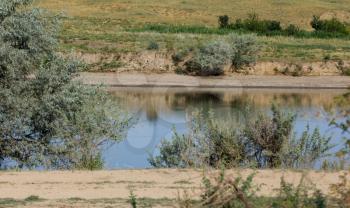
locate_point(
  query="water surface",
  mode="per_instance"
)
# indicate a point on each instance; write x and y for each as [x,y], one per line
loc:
[159,110]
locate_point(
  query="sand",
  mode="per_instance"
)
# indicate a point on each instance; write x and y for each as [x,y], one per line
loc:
[228,81]
[151,183]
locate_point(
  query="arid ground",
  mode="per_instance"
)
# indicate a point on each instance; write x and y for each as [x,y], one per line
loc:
[153,188]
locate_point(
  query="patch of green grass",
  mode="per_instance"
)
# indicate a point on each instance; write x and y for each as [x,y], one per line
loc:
[183,182]
[33,198]
[9,202]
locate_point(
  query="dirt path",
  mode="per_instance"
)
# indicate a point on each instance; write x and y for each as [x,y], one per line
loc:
[229,81]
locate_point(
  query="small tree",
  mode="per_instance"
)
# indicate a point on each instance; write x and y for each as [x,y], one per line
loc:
[47,118]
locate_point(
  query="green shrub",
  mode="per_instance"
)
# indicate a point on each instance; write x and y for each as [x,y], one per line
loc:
[173,153]
[254,24]
[179,56]
[132,200]
[223,192]
[90,162]
[345,70]
[267,142]
[245,49]
[152,45]
[271,142]
[32,198]
[206,144]
[292,30]
[209,59]
[331,26]
[224,21]
[303,195]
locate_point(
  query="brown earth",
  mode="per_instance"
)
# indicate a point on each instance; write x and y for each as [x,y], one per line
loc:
[157,62]
[61,188]
[228,81]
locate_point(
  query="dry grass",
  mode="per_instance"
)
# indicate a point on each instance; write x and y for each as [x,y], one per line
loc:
[198,11]
[100,26]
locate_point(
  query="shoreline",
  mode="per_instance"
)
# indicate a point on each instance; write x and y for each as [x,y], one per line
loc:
[171,80]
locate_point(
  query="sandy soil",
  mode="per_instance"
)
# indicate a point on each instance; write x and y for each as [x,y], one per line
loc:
[228,81]
[152,183]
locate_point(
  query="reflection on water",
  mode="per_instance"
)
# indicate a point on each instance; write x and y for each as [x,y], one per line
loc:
[159,110]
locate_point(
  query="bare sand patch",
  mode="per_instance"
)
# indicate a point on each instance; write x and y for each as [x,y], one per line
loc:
[152,183]
[228,81]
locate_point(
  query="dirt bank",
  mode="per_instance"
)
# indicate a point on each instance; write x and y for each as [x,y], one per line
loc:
[158,61]
[233,81]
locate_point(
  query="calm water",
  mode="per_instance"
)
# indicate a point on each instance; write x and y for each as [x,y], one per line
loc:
[159,110]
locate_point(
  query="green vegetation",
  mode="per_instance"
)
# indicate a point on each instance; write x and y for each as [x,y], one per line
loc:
[94,27]
[132,200]
[46,118]
[153,45]
[322,28]
[211,59]
[267,142]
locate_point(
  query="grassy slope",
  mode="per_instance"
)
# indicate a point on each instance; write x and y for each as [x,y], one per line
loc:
[100,26]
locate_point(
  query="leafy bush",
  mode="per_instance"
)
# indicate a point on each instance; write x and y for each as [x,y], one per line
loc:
[133,200]
[152,45]
[331,26]
[245,50]
[306,150]
[224,21]
[266,137]
[267,142]
[303,195]
[238,50]
[224,192]
[271,142]
[90,162]
[345,70]
[207,144]
[173,153]
[292,30]
[254,24]
[210,59]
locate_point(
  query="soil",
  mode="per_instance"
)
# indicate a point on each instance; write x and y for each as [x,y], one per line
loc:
[228,81]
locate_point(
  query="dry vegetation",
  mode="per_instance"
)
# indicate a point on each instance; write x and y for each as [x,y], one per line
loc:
[104,26]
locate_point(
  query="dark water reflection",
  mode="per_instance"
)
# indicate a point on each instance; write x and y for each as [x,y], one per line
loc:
[159,110]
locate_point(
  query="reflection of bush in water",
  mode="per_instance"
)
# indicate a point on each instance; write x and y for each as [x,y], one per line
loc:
[196,98]
[151,112]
